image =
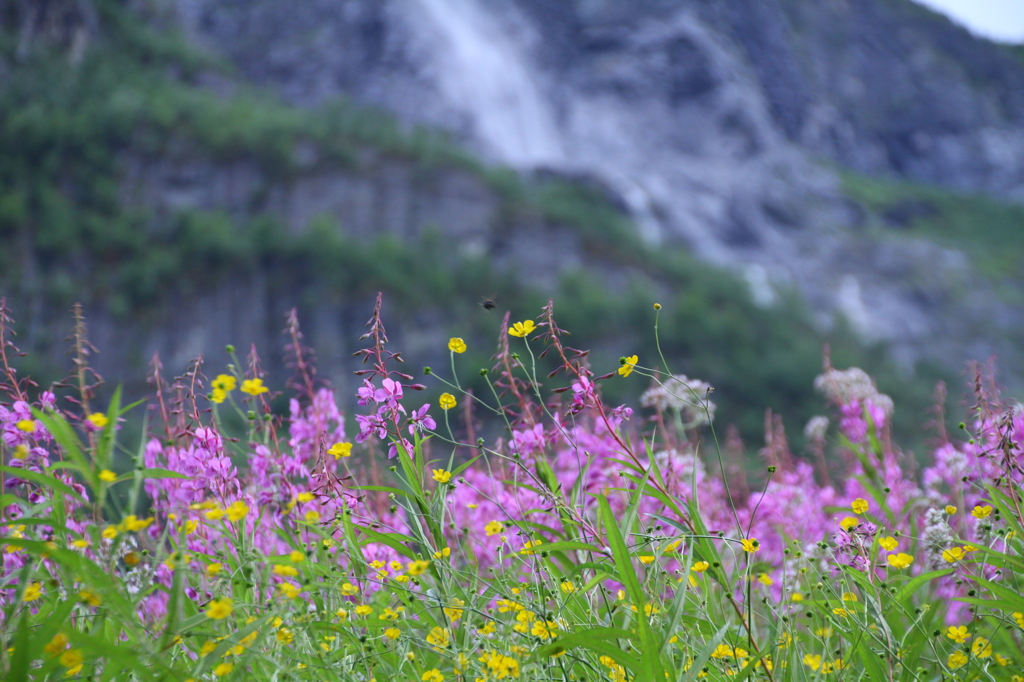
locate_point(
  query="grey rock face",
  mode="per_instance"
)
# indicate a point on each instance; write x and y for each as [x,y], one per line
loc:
[710,120]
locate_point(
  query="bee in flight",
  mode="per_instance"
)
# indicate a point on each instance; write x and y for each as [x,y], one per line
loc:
[488,303]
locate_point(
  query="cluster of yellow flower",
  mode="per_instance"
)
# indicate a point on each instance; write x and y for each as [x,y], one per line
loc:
[498,666]
[225,383]
[814,662]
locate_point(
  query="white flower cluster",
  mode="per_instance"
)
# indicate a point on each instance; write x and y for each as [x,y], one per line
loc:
[689,397]
[937,535]
[843,386]
[816,428]
[680,465]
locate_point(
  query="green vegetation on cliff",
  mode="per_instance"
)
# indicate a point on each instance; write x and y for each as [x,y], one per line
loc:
[66,235]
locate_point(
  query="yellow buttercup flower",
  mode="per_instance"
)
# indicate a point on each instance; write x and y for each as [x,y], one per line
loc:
[447,401]
[981,648]
[900,560]
[980,512]
[33,591]
[456,345]
[700,566]
[254,387]
[859,506]
[58,644]
[224,382]
[953,554]
[442,476]
[628,365]
[957,659]
[108,476]
[289,590]
[134,524]
[392,633]
[339,450]
[438,637]
[237,510]
[545,629]
[223,669]
[849,522]
[750,545]
[958,634]
[90,597]
[219,609]
[812,661]
[29,426]
[417,567]
[888,543]
[72,658]
[494,527]
[950,509]
[98,419]
[523,328]
[528,546]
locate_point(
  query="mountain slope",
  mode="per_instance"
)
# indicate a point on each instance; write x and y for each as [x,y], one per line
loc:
[718,126]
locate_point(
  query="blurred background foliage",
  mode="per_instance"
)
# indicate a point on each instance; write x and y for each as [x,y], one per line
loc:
[67,235]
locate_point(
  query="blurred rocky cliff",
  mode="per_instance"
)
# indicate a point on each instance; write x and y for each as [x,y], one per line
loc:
[868,156]
[719,125]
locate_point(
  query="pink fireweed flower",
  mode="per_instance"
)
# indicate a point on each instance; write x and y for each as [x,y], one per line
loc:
[421,421]
[393,448]
[582,393]
[529,441]
[369,425]
[365,392]
[389,393]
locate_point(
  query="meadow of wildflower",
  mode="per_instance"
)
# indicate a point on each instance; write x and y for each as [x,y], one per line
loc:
[586,542]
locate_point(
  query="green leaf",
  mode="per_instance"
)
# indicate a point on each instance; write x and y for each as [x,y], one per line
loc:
[21,658]
[705,654]
[151,473]
[595,639]
[43,480]
[396,541]
[1012,601]
[650,662]
[908,589]
[382,489]
[69,442]
[568,545]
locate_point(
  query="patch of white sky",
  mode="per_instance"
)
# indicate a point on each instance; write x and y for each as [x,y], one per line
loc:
[1000,20]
